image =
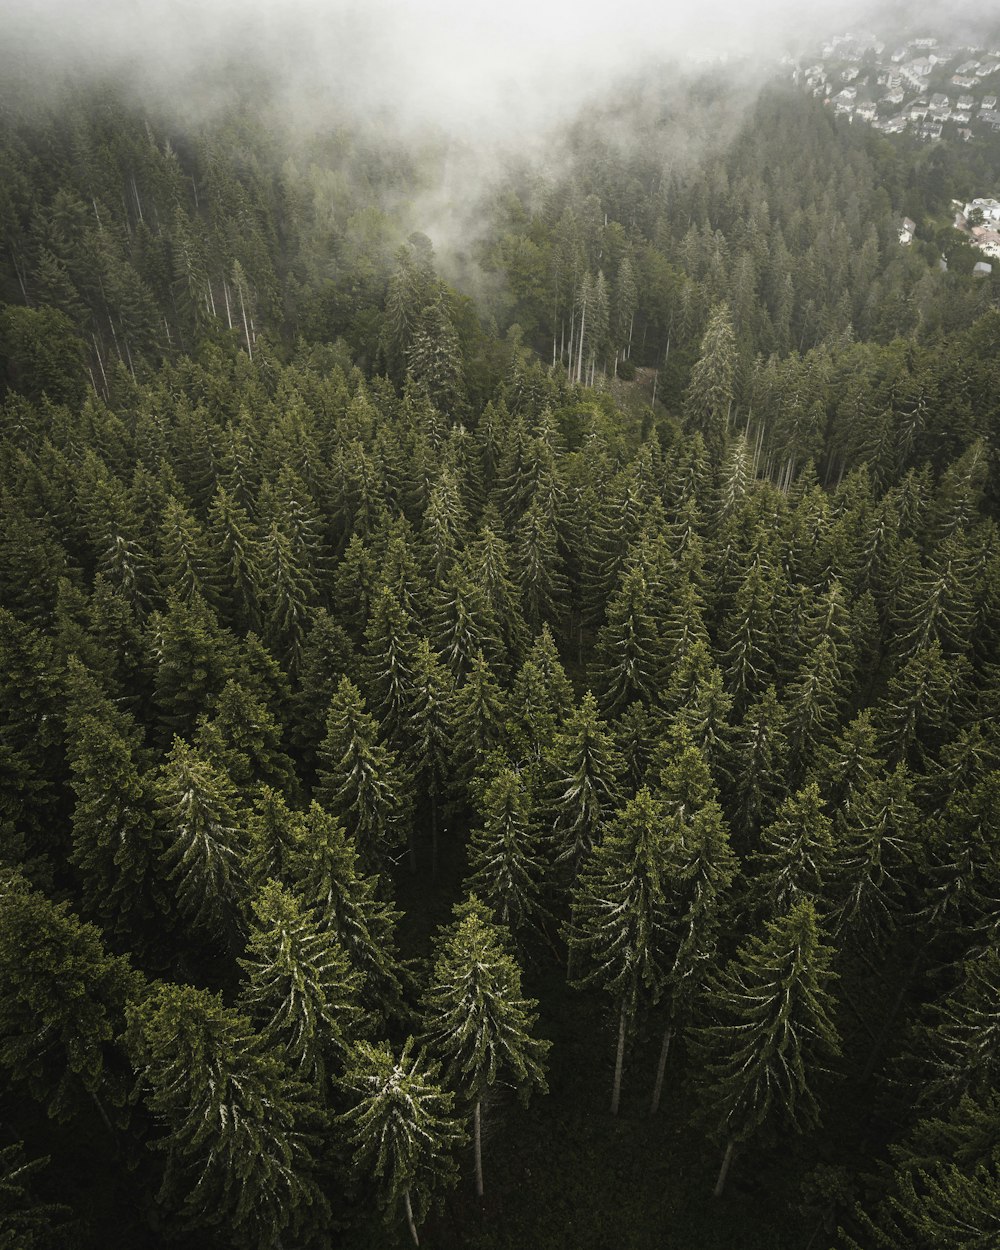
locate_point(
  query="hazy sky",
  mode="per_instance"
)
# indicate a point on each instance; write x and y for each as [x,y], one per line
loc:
[459,62]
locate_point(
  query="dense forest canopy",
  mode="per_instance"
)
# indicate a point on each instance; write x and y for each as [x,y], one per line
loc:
[498,676]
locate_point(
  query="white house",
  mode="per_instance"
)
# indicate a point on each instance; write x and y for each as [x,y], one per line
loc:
[989,208]
[907,230]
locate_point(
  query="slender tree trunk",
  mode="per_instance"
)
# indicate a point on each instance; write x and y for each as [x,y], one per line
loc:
[656,377]
[727,1158]
[616,1093]
[579,359]
[477,1122]
[631,324]
[229,312]
[246,327]
[661,1067]
[409,1217]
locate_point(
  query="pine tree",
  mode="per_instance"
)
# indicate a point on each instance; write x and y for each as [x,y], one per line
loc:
[58,986]
[402,1126]
[757,766]
[240,1132]
[115,843]
[204,843]
[872,863]
[475,1018]
[300,990]
[712,388]
[629,655]
[360,782]
[430,720]
[324,869]
[794,854]
[480,712]
[766,1032]
[616,930]
[583,768]
[504,862]
[701,870]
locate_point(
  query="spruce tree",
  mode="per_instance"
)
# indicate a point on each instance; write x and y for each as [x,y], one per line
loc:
[766,1033]
[359,780]
[475,1017]
[300,990]
[504,862]
[616,931]
[402,1127]
[240,1133]
[326,874]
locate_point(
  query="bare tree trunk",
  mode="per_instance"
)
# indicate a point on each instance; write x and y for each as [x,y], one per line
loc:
[477,1122]
[631,323]
[656,377]
[579,359]
[727,1158]
[409,1217]
[661,1067]
[617,1091]
[229,314]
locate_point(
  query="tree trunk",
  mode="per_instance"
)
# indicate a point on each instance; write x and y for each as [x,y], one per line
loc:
[579,359]
[727,1158]
[617,1091]
[661,1067]
[409,1217]
[477,1121]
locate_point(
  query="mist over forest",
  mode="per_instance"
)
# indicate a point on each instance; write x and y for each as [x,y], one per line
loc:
[499,626]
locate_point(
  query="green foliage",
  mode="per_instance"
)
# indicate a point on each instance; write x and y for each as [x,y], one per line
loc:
[239,1131]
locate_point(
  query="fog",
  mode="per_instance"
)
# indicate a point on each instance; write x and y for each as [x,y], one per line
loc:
[472,68]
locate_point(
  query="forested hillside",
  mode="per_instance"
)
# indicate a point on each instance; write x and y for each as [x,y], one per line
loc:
[497,738]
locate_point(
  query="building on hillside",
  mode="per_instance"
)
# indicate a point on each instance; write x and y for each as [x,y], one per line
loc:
[981,269]
[988,103]
[960,81]
[990,246]
[907,230]
[988,208]
[965,103]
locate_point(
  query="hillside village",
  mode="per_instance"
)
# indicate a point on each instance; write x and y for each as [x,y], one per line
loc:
[925,87]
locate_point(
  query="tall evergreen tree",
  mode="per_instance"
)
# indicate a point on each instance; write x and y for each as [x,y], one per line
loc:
[767,1032]
[475,1018]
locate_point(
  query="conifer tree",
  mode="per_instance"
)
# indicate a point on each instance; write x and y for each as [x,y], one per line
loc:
[62,1003]
[239,1131]
[794,854]
[402,1126]
[504,862]
[360,782]
[757,766]
[430,720]
[205,847]
[300,990]
[480,712]
[475,1017]
[616,931]
[115,842]
[629,655]
[583,767]
[872,863]
[702,867]
[766,1033]
[325,871]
